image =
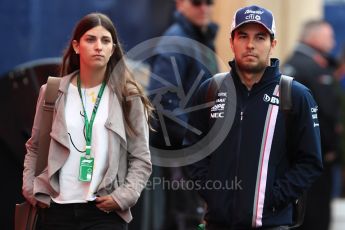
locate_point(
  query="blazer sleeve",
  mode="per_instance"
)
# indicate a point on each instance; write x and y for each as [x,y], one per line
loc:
[139,159]
[32,151]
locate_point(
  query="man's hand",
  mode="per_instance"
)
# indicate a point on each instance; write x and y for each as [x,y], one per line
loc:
[330,157]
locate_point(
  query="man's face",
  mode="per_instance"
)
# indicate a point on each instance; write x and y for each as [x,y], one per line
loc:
[252,47]
[325,38]
[198,12]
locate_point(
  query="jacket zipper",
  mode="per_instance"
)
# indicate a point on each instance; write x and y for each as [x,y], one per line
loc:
[243,108]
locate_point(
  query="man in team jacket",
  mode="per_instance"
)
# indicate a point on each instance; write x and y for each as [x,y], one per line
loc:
[269,157]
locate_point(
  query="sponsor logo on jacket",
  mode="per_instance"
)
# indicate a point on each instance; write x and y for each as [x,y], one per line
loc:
[218,107]
[217,111]
[313,111]
[272,100]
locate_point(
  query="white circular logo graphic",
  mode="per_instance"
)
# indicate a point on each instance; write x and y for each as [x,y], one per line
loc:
[172,46]
[267,98]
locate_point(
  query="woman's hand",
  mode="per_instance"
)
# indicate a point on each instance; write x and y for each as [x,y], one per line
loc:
[41,205]
[107,204]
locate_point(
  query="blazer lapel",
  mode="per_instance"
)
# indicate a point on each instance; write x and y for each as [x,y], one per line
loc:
[115,121]
[59,128]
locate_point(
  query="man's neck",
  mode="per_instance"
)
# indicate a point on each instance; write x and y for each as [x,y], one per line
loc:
[249,78]
[203,29]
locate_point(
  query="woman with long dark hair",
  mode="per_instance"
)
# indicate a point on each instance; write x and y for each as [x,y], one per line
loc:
[99,159]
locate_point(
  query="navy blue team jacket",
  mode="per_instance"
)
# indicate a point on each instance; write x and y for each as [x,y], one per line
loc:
[262,166]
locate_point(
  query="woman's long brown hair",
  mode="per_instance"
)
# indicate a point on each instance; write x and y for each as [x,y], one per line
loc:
[124,83]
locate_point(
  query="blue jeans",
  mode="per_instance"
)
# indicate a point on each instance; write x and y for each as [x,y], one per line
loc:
[78,217]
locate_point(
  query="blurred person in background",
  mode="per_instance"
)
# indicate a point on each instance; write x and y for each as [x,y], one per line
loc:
[340,164]
[312,65]
[192,20]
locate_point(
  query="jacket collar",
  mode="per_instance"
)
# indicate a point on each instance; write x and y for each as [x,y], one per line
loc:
[318,56]
[65,80]
[59,127]
[308,50]
[271,72]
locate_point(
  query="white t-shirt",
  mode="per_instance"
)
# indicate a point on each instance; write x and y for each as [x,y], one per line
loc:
[71,189]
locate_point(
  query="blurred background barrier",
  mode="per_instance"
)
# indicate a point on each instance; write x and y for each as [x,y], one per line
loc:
[338,214]
[19,90]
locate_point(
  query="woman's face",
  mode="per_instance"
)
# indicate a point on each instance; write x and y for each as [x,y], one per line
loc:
[94,48]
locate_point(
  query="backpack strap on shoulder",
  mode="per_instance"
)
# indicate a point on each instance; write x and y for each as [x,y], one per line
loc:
[285,97]
[51,94]
[50,97]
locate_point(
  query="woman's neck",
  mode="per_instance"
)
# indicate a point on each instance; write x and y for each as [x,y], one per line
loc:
[91,79]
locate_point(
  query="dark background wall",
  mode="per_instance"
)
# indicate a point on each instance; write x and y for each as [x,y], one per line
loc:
[33,29]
